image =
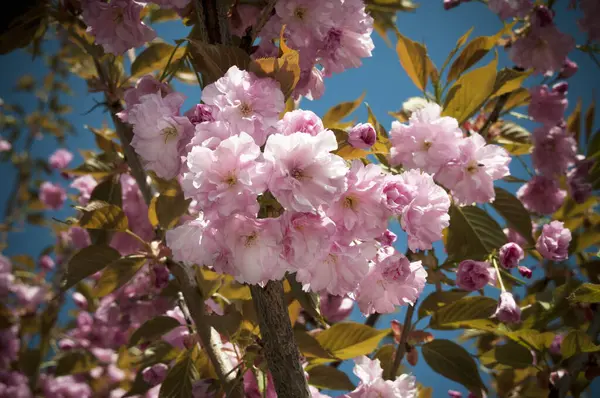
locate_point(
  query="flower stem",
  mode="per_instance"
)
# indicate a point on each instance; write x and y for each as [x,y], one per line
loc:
[499,275]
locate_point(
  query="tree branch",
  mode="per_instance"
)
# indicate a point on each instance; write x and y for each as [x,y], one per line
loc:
[495,114]
[401,350]
[280,345]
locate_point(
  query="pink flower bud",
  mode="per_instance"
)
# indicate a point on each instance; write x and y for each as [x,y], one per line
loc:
[556,344]
[474,275]
[387,238]
[362,136]
[525,272]
[569,69]
[454,394]
[80,300]
[155,374]
[5,146]
[508,311]
[510,255]
[46,263]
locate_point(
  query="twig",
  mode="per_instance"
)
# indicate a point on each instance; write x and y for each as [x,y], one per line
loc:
[372,319]
[495,114]
[280,345]
[401,349]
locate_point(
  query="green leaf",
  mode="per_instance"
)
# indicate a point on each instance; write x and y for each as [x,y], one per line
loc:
[346,340]
[586,293]
[511,355]
[436,299]
[75,362]
[166,208]
[308,300]
[96,167]
[118,273]
[469,56]
[155,57]
[213,60]
[181,376]
[470,92]
[309,346]
[577,342]
[532,338]
[472,233]
[88,261]
[323,376]
[335,114]
[514,138]
[514,213]
[228,323]
[414,59]
[153,328]
[461,313]
[109,191]
[509,80]
[453,362]
[103,215]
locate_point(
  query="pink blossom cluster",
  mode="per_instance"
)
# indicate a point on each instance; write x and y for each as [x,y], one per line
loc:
[467,166]
[372,383]
[331,230]
[330,36]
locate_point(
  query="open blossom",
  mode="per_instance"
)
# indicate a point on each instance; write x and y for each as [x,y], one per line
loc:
[85,185]
[554,151]
[256,248]
[542,195]
[304,174]
[428,142]
[185,242]
[474,275]
[228,179]
[471,176]
[548,106]
[300,121]
[159,132]
[391,281]
[510,254]
[60,159]
[52,196]
[210,134]
[339,270]
[347,36]
[422,205]
[508,311]
[362,136]
[543,48]
[307,237]
[65,387]
[554,241]
[116,25]
[311,84]
[372,383]
[14,385]
[248,103]
[590,23]
[510,8]
[359,210]
[145,85]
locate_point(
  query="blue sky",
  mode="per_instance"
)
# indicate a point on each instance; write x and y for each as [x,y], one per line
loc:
[381,77]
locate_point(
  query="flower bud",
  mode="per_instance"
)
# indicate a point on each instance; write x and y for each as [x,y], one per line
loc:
[155,374]
[80,300]
[510,255]
[362,136]
[525,272]
[508,311]
[46,263]
[569,69]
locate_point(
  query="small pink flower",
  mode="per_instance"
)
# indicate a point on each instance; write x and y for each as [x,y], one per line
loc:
[542,195]
[60,159]
[145,85]
[525,272]
[155,374]
[305,175]
[308,236]
[569,69]
[5,146]
[392,281]
[508,311]
[428,142]
[510,8]
[387,238]
[554,151]
[52,196]
[79,300]
[85,185]
[300,121]
[474,275]
[548,106]
[471,176]
[372,383]
[116,25]
[46,263]
[79,237]
[362,136]
[554,241]
[510,254]
[556,344]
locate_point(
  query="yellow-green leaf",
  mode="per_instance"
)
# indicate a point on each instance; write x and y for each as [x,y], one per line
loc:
[118,273]
[514,138]
[577,342]
[181,376]
[310,347]
[153,328]
[102,215]
[436,299]
[414,59]
[166,208]
[459,314]
[473,233]
[323,376]
[348,340]
[155,57]
[340,111]
[532,338]
[469,56]
[514,213]
[75,362]
[509,80]
[586,293]
[453,362]
[109,191]
[88,261]
[510,355]
[470,92]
